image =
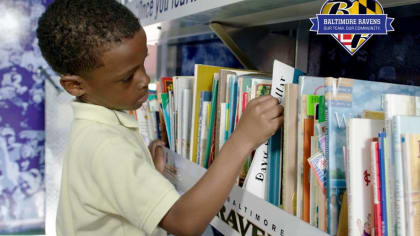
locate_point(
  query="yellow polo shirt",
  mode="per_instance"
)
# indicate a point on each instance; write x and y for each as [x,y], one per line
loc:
[109,183]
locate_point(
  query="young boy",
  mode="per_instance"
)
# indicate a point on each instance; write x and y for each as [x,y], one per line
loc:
[110,185]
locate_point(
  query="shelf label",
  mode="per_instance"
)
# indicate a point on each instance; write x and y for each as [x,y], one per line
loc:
[156,11]
[243,213]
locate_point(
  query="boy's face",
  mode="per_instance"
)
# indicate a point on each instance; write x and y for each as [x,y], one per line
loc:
[121,83]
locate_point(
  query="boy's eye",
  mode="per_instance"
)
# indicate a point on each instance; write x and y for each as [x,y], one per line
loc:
[128,79]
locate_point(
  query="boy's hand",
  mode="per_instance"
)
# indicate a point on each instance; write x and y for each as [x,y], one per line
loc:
[263,116]
[156,149]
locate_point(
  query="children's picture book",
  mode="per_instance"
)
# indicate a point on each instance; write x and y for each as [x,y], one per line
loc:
[359,190]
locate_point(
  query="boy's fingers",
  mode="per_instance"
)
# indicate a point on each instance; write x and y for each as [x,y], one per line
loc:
[154,144]
[275,111]
[261,99]
[277,122]
[269,103]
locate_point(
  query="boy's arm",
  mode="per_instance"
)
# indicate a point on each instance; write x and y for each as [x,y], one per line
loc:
[194,210]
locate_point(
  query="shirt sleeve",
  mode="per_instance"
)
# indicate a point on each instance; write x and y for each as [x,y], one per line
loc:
[131,186]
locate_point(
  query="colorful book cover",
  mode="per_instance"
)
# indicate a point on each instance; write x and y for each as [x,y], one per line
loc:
[318,165]
[203,81]
[359,189]
[348,98]
[411,154]
[166,84]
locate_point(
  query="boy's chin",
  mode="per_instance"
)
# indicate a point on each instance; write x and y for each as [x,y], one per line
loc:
[135,106]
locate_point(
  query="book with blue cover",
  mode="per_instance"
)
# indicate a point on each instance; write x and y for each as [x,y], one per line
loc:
[345,99]
[381,141]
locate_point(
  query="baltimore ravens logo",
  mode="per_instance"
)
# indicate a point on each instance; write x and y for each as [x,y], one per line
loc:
[352,23]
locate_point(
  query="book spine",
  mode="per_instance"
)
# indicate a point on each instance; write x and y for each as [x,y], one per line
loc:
[327,154]
[274,167]
[376,188]
[308,133]
[405,150]
[398,179]
[350,173]
[383,184]
[222,126]
[299,167]
[390,204]
[171,117]
[233,102]
[186,126]
[212,117]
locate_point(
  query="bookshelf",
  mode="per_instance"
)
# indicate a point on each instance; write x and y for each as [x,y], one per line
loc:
[239,24]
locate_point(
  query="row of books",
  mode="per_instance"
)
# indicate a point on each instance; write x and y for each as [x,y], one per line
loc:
[374,174]
[333,142]
[302,168]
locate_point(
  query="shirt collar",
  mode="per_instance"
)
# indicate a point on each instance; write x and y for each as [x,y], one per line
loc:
[86,111]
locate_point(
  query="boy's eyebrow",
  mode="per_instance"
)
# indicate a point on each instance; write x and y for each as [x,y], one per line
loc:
[129,72]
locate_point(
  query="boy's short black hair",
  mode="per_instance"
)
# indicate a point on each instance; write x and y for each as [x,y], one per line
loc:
[74,34]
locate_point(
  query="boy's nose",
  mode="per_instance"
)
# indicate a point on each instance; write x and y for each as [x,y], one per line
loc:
[143,82]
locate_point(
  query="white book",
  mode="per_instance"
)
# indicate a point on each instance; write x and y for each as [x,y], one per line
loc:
[142,118]
[180,84]
[256,179]
[203,131]
[282,74]
[394,105]
[222,129]
[359,190]
[186,121]
[154,108]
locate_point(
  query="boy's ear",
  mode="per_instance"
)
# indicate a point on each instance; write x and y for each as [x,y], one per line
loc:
[73,84]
